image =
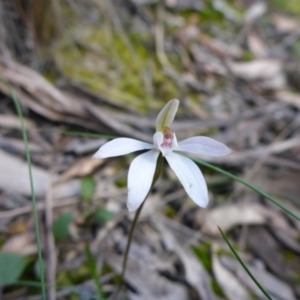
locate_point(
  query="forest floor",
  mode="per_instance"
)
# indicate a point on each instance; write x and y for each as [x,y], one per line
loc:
[87,71]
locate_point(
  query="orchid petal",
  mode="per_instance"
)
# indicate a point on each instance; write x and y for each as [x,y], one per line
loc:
[191,178]
[167,114]
[175,140]
[158,139]
[140,177]
[204,146]
[121,146]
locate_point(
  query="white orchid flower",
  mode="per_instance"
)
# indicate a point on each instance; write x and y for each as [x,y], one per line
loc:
[142,168]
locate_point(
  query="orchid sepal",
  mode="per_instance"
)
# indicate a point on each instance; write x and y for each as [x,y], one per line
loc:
[166,116]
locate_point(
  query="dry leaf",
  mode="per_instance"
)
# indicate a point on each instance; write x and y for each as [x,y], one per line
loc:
[273,285]
[285,24]
[257,69]
[13,122]
[257,46]
[194,272]
[14,176]
[229,216]
[288,97]
[81,168]
[268,250]
[22,244]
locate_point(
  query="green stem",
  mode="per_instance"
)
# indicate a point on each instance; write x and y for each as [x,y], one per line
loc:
[129,240]
[255,189]
[134,222]
[34,209]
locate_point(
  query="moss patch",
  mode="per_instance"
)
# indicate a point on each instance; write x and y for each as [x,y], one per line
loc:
[99,60]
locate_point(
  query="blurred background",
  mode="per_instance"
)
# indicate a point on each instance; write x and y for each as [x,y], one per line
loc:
[86,71]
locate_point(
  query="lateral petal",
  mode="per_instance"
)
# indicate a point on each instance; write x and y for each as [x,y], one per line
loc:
[203,145]
[140,177]
[158,138]
[167,114]
[121,146]
[190,176]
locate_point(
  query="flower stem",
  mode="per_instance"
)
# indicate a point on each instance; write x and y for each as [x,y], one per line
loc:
[129,240]
[133,225]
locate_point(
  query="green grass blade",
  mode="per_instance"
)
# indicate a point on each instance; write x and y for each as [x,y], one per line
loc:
[243,265]
[93,270]
[255,189]
[34,209]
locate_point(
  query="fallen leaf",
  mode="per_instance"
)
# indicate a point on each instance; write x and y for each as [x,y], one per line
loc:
[22,244]
[273,285]
[257,45]
[268,251]
[257,69]
[288,97]
[81,168]
[13,122]
[229,216]
[14,176]
[194,272]
[285,24]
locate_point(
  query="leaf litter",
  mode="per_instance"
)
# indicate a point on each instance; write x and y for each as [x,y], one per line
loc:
[109,70]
